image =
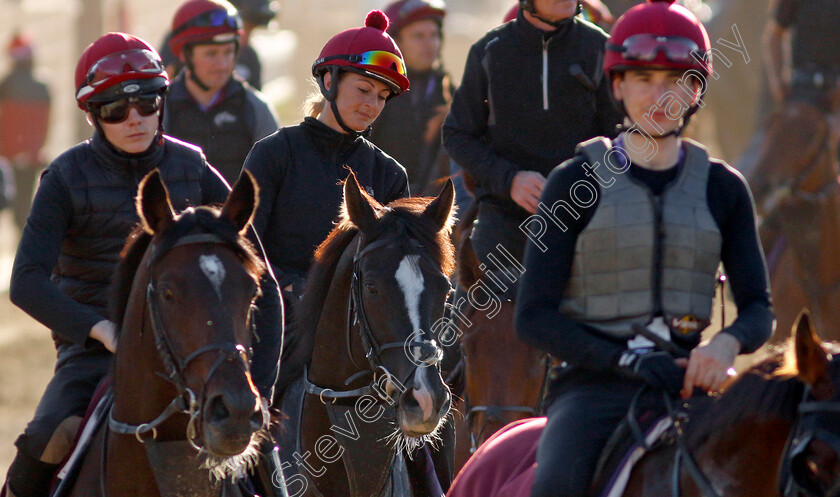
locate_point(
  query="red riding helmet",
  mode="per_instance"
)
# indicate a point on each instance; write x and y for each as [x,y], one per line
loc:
[658,34]
[368,50]
[404,12]
[20,47]
[118,65]
[204,22]
[511,14]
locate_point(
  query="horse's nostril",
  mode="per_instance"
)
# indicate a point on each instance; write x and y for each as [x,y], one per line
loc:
[217,410]
[409,402]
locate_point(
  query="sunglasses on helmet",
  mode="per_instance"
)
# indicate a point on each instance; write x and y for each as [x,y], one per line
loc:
[378,58]
[647,47]
[212,19]
[117,111]
[137,61]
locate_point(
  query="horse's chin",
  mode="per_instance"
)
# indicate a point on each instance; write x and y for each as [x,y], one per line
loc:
[413,425]
[224,462]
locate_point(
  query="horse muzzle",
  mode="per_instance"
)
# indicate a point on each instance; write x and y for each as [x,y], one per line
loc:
[229,421]
[424,404]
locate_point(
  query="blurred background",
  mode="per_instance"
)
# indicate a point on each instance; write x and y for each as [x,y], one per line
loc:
[61,29]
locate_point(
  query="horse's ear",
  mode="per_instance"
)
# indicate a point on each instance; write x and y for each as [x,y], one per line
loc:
[357,204]
[153,205]
[441,209]
[242,202]
[811,358]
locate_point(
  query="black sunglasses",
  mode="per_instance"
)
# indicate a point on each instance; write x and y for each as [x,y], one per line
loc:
[117,111]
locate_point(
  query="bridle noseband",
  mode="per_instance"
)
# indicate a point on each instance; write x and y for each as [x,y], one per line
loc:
[186,401]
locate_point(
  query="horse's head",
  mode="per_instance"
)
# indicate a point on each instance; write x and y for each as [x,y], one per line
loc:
[400,284]
[812,459]
[493,355]
[796,139]
[201,279]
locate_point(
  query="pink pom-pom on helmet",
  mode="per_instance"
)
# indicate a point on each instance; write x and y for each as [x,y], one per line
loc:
[367,50]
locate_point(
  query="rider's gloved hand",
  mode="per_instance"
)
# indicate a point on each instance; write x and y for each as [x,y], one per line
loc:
[654,367]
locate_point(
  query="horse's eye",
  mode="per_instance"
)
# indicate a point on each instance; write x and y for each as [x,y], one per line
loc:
[167,294]
[371,288]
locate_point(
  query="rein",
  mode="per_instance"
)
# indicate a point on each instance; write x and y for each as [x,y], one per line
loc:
[185,402]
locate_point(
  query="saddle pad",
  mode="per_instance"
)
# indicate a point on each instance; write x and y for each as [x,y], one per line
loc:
[96,414]
[615,485]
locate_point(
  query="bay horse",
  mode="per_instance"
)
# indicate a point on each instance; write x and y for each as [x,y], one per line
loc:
[795,184]
[184,406]
[503,377]
[774,431]
[372,389]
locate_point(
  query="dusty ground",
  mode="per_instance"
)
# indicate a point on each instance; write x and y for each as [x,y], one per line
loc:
[27,355]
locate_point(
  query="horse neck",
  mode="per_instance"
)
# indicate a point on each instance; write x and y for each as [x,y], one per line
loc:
[746,461]
[140,394]
[331,364]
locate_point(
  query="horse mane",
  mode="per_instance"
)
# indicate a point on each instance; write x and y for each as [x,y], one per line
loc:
[768,390]
[202,219]
[401,214]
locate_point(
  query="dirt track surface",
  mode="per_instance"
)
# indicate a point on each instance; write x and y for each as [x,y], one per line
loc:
[27,358]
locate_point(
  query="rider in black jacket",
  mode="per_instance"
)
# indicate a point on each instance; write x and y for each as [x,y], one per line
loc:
[300,168]
[82,213]
[532,89]
[629,237]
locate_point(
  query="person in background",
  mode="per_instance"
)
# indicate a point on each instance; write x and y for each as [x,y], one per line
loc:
[807,30]
[622,291]
[594,11]
[300,168]
[208,105]
[409,128]
[81,216]
[532,89]
[24,120]
[254,14]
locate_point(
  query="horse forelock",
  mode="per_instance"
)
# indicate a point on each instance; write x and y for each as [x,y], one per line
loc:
[192,220]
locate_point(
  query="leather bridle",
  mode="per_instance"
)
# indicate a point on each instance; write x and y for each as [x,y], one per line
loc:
[185,401]
[422,350]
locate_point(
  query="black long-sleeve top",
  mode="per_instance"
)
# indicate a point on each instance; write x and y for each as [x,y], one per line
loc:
[507,116]
[80,217]
[539,321]
[299,170]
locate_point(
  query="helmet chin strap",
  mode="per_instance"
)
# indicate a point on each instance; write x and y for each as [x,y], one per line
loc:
[557,24]
[331,95]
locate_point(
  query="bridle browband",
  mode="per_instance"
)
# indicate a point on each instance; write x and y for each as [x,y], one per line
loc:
[429,353]
[185,401]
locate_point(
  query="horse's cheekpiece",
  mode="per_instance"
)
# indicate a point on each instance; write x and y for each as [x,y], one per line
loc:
[688,325]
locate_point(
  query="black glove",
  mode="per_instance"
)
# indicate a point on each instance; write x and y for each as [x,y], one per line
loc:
[654,367]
